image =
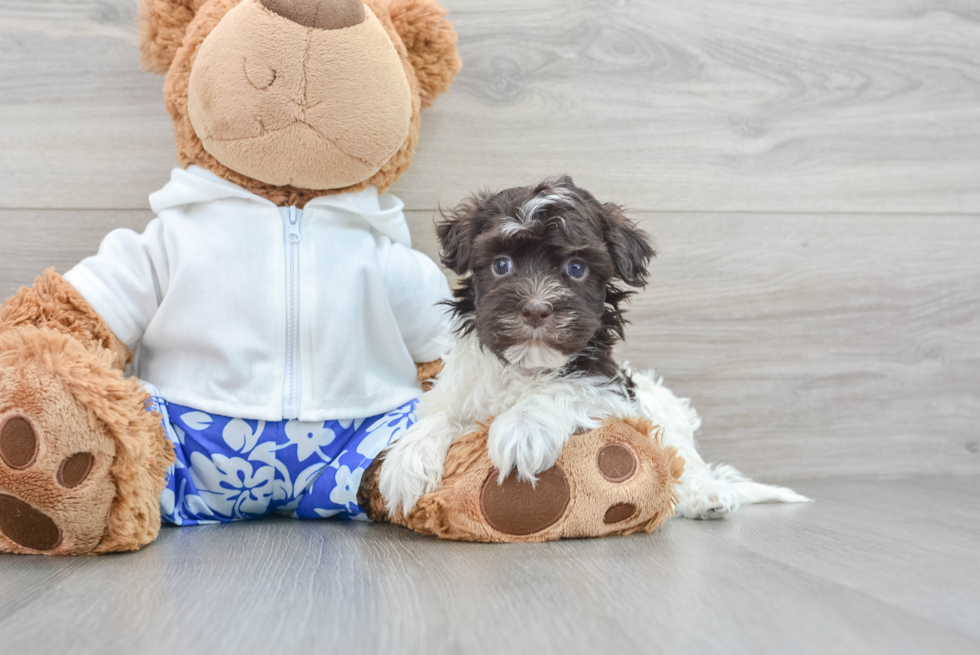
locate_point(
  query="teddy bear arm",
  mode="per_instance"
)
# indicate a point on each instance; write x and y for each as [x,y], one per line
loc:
[55,304]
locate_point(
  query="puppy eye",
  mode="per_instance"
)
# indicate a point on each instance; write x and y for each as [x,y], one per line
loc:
[502,265]
[576,269]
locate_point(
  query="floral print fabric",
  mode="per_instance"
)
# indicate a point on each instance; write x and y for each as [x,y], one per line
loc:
[230,469]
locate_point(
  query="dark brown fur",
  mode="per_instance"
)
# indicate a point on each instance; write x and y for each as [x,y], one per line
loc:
[587,315]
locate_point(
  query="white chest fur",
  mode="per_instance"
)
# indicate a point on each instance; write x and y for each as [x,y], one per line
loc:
[476,386]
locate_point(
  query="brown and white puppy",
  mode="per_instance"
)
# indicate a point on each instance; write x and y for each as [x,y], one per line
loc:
[546,264]
[544,272]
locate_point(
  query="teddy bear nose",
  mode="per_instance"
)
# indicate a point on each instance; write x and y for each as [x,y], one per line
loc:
[321,14]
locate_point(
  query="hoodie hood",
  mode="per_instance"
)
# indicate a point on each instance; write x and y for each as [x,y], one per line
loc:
[382,212]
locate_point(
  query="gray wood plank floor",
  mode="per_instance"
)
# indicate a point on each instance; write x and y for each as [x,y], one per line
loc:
[871,567]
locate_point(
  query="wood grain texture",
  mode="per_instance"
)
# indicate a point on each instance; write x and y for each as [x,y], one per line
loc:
[819,345]
[812,346]
[33,240]
[693,105]
[872,567]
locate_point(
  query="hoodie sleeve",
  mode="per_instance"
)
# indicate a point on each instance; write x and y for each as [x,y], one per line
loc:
[416,287]
[125,282]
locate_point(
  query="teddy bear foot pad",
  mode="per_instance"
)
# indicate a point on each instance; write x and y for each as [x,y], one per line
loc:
[19,521]
[81,460]
[615,480]
[55,490]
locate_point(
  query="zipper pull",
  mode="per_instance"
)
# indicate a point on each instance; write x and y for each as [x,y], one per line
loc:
[292,225]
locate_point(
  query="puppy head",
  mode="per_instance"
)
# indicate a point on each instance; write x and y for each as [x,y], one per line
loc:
[540,267]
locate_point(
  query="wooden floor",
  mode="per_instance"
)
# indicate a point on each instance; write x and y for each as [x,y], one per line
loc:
[810,171]
[871,567]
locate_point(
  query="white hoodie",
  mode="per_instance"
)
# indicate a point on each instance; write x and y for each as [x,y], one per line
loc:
[241,308]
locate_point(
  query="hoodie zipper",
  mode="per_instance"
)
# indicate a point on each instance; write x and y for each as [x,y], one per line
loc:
[292,219]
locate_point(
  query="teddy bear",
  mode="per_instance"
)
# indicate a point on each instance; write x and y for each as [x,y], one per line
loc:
[257,348]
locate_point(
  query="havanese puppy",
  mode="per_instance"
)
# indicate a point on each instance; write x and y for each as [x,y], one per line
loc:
[543,276]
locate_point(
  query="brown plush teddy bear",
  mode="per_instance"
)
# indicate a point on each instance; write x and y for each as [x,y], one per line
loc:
[279,319]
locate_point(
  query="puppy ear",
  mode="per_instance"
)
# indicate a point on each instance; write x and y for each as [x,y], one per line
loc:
[629,246]
[162,27]
[457,231]
[431,43]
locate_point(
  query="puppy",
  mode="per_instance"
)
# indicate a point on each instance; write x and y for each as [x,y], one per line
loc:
[537,312]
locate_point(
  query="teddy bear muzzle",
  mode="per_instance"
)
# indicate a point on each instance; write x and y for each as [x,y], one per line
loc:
[309,93]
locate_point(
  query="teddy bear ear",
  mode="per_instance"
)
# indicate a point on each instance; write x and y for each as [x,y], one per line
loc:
[162,27]
[431,43]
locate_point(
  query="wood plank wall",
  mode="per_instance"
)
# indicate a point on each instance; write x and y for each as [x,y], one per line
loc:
[809,168]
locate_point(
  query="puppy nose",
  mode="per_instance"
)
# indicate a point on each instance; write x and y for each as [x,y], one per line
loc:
[321,14]
[536,312]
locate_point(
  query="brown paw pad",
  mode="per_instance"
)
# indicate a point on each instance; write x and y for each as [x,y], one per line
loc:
[616,462]
[19,521]
[75,469]
[18,443]
[619,512]
[518,508]
[27,527]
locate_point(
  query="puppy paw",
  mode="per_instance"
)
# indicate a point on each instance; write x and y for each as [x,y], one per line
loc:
[707,499]
[413,467]
[521,441]
[399,484]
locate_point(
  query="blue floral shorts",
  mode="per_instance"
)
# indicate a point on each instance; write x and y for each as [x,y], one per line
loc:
[229,469]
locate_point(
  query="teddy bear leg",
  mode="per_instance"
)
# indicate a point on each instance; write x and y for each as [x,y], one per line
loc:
[618,479]
[81,461]
[55,483]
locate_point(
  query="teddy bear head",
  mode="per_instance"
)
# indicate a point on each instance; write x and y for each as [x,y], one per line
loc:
[294,99]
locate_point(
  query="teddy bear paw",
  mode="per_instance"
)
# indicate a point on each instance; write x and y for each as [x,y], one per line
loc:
[614,480]
[20,522]
[55,487]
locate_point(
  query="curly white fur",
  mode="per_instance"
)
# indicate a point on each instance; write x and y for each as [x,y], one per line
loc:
[706,491]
